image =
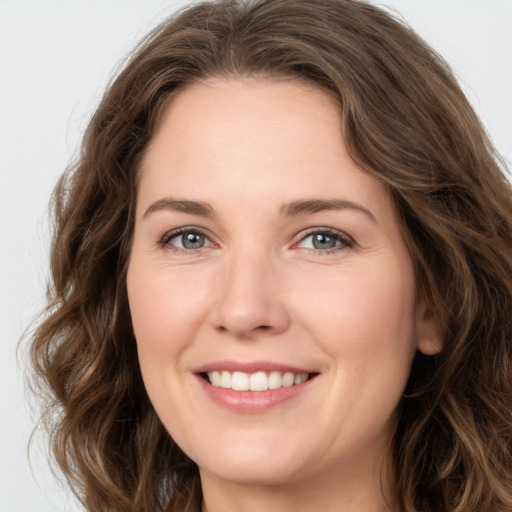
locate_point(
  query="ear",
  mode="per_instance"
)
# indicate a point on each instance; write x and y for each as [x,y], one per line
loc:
[429,335]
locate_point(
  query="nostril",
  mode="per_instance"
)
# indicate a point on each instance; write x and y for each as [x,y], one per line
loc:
[244,332]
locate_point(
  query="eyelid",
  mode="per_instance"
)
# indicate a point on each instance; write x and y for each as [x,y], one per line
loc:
[345,240]
[164,241]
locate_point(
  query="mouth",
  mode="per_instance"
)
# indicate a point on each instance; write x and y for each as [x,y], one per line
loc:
[255,381]
[253,387]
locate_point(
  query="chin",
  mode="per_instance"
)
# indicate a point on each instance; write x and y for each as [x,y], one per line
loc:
[253,465]
[255,473]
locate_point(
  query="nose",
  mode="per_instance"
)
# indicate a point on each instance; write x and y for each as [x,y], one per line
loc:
[250,300]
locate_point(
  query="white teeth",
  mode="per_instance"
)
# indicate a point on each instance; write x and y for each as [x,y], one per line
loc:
[225,380]
[275,380]
[215,378]
[288,379]
[258,381]
[240,381]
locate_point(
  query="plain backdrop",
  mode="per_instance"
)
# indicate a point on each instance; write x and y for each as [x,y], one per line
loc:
[55,59]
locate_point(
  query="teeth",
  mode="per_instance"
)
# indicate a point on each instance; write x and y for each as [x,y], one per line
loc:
[288,379]
[259,381]
[275,380]
[240,381]
[225,380]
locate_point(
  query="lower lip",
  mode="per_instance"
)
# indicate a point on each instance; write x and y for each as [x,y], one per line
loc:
[252,402]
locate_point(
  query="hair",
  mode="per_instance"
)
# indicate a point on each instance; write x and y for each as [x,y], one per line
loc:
[406,122]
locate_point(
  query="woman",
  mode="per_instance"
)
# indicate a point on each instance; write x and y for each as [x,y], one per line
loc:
[282,275]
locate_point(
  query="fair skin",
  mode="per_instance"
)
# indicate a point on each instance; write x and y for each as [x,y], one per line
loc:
[290,259]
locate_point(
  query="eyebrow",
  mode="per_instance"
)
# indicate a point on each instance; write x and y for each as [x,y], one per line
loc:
[292,209]
[180,205]
[310,206]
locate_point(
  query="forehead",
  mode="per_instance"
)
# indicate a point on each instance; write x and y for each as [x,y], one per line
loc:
[251,139]
[248,113]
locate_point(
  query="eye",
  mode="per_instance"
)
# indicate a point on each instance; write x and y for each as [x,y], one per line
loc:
[325,240]
[186,239]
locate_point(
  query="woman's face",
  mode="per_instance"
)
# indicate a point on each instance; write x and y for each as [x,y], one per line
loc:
[263,256]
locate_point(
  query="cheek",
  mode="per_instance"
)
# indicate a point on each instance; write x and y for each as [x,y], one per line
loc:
[166,307]
[366,316]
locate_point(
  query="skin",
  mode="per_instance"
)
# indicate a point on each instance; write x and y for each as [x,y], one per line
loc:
[259,290]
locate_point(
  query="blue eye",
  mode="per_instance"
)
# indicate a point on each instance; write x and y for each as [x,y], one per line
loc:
[325,240]
[187,240]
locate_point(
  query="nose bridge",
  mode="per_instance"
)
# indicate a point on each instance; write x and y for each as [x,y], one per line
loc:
[250,297]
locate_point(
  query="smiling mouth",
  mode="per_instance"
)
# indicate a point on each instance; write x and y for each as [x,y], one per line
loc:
[257,381]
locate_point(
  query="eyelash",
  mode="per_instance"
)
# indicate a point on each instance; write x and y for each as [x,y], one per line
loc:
[343,240]
[166,239]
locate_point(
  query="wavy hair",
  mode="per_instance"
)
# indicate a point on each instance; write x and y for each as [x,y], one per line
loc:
[406,122]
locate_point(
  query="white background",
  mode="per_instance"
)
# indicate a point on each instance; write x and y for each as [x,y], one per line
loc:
[55,59]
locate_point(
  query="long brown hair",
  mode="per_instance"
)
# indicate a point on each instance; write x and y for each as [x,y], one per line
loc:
[405,121]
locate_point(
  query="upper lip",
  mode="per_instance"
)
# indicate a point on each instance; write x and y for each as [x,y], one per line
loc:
[249,367]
